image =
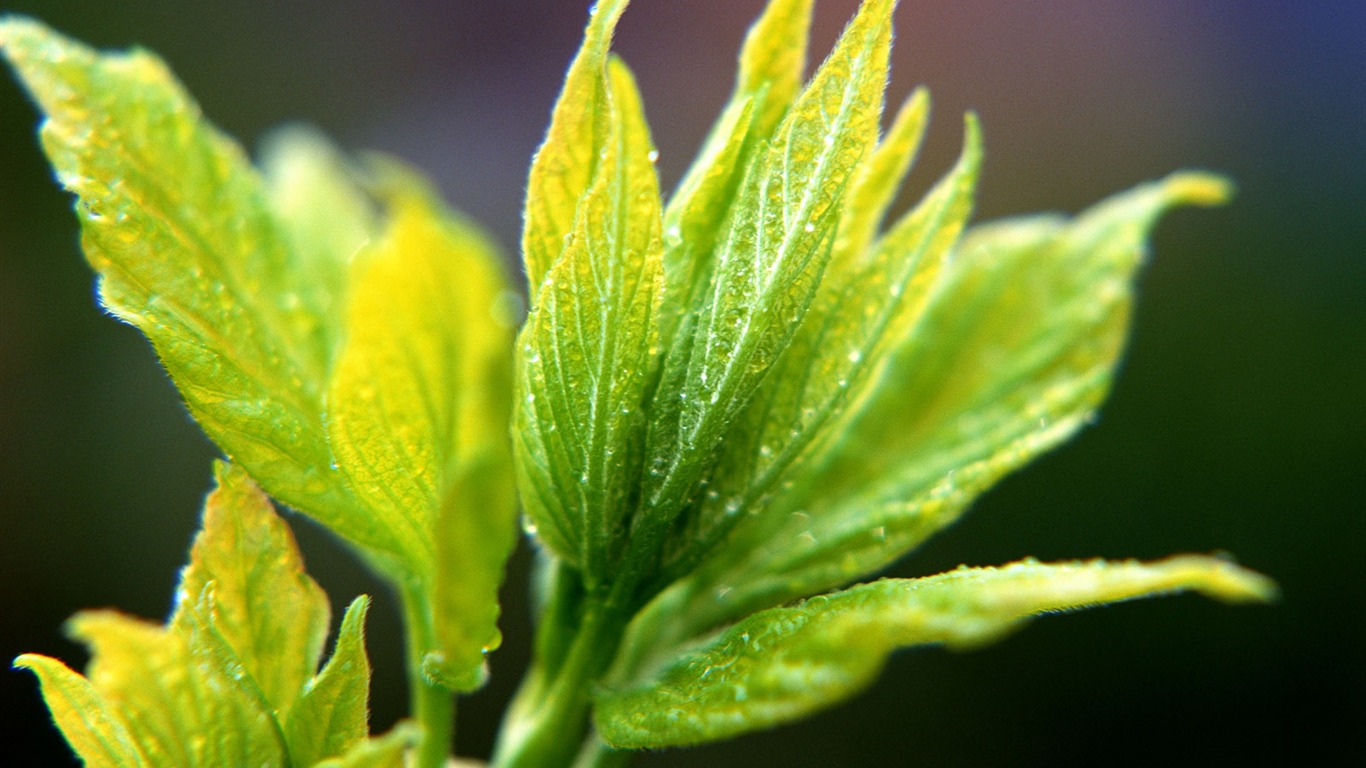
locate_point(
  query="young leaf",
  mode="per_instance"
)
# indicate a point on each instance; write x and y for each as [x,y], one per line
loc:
[417,414]
[1013,354]
[237,724]
[563,167]
[97,735]
[180,230]
[229,680]
[876,182]
[328,218]
[333,711]
[767,269]
[836,356]
[772,62]
[272,615]
[589,347]
[140,669]
[784,663]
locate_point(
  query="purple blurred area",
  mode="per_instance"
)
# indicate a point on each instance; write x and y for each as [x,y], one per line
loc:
[1238,421]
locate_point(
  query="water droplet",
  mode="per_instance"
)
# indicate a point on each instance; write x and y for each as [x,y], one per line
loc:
[809,227]
[855,356]
[654,155]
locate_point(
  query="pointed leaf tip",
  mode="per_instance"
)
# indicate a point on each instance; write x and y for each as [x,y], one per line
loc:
[1198,188]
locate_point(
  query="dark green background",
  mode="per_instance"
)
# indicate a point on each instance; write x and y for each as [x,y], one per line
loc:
[1237,422]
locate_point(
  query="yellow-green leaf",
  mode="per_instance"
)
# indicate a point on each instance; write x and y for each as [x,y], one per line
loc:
[333,712]
[835,359]
[417,413]
[271,613]
[181,231]
[1015,351]
[785,663]
[588,349]
[768,265]
[229,680]
[876,182]
[313,191]
[772,62]
[97,735]
[563,166]
[141,669]
[237,725]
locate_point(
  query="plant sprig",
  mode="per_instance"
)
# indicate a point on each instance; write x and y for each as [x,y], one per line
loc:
[727,406]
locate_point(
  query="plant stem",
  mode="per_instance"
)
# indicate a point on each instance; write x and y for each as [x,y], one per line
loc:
[548,718]
[432,706]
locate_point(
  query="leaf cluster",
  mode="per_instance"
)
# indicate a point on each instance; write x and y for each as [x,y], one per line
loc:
[760,389]
[232,678]
[728,405]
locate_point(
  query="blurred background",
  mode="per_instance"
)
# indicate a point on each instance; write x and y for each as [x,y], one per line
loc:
[1238,422]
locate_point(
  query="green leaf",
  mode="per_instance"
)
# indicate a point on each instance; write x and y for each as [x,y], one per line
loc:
[181,231]
[785,663]
[768,265]
[140,669]
[98,736]
[333,714]
[271,613]
[563,166]
[588,348]
[238,655]
[236,723]
[313,192]
[837,355]
[693,217]
[876,182]
[772,62]
[1013,353]
[418,414]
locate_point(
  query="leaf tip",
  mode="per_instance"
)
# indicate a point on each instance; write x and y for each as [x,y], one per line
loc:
[14,27]
[1222,579]
[1200,188]
[26,660]
[972,139]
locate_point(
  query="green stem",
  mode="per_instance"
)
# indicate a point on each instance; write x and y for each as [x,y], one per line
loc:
[432,706]
[548,718]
